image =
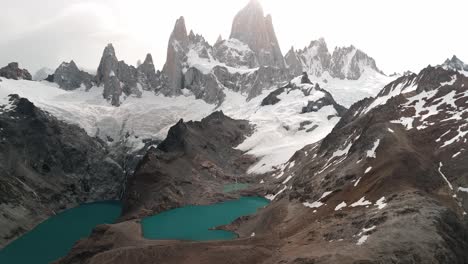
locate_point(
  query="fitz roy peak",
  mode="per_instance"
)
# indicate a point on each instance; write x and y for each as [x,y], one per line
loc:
[254,29]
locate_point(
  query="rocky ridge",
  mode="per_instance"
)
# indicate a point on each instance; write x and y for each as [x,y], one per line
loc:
[48,166]
[344,63]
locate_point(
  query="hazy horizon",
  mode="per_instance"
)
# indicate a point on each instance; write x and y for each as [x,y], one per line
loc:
[399,35]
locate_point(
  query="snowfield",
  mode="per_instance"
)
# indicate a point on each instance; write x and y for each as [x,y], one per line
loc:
[348,92]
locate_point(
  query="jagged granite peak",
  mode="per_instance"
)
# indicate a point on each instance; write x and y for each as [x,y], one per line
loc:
[107,66]
[350,63]
[13,71]
[204,86]
[116,76]
[455,64]
[253,28]
[315,57]
[69,77]
[148,77]
[176,55]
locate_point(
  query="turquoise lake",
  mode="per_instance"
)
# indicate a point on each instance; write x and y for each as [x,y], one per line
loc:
[54,238]
[194,222]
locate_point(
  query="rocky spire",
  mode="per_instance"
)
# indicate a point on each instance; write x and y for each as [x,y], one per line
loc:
[147,76]
[176,50]
[107,65]
[253,28]
[116,76]
[293,62]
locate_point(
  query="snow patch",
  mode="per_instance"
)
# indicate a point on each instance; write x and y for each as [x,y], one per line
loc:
[361,202]
[340,206]
[381,203]
[371,153]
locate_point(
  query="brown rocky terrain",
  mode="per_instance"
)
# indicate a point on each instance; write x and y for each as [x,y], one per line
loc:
[388,185]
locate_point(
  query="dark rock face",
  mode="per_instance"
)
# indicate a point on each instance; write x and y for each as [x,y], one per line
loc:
[12,71]
[117,77]
[69,77]
[148,78]
[203,86]
[253,28]
[176,53]
[195,157]
[46,166]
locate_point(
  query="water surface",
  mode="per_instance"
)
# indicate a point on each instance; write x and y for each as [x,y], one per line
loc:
[195,222]
[54,238]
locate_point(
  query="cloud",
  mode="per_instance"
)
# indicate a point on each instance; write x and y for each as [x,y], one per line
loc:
[79,32]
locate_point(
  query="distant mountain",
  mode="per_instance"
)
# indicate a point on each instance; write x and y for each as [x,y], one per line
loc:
[455,64]
[345,63]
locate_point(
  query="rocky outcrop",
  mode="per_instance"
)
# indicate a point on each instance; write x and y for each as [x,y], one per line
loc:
[194,158]
[176,55]
[12,71]
[69,77]
[47,166]
[117,77]
[251,27]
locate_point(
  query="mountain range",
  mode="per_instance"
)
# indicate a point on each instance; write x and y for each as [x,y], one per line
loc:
[359,167]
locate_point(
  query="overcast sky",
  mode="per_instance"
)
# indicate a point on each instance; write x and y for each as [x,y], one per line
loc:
[399,34]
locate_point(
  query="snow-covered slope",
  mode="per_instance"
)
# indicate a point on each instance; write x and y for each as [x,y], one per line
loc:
[278,133]
[347,92]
